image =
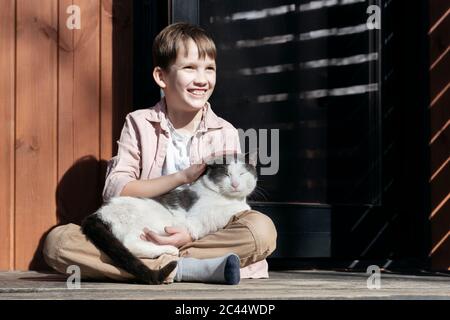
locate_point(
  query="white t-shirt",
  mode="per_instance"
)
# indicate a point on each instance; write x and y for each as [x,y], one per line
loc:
[178,149]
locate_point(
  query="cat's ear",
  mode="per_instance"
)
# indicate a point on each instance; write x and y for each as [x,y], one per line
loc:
[252,157]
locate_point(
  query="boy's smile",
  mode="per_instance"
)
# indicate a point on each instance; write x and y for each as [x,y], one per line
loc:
[190,80]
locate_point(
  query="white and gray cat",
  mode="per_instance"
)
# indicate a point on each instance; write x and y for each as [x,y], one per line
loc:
[202,208]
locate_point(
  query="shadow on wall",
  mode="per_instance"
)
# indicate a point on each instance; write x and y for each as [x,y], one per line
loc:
[78,194]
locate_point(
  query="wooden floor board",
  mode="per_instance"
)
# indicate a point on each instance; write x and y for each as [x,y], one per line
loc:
[280,285]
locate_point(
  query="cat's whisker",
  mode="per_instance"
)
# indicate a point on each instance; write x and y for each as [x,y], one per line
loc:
[259,187]
[252,195]
[262,191]
[259,193]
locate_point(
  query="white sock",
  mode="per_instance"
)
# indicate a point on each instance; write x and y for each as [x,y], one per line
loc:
[225,269]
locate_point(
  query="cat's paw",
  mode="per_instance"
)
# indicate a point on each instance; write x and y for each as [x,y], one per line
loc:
[173,251]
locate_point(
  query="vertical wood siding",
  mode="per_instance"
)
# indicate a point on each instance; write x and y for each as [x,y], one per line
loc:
[57,116]
[7,115]
[36,124]
[440,133]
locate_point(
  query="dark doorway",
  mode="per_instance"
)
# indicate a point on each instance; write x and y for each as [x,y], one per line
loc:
[315,72]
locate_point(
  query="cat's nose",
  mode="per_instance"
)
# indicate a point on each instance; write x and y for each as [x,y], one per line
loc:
[234,184]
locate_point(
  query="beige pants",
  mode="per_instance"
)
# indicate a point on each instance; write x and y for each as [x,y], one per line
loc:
[249,234]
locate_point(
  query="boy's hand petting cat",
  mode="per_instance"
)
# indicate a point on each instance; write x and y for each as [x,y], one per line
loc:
[192,173]
[177,237]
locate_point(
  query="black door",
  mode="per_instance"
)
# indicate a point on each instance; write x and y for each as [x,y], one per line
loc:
[313,76]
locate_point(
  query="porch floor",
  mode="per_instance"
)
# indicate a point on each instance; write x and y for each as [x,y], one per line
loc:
[303,284]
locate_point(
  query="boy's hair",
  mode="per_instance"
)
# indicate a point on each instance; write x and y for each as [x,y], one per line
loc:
[167,43]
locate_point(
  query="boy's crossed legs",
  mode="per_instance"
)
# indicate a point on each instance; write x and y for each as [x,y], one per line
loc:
[249,234]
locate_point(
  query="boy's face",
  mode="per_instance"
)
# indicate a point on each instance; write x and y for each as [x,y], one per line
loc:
[190,81]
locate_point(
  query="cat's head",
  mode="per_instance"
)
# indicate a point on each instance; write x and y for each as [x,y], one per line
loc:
[232,175]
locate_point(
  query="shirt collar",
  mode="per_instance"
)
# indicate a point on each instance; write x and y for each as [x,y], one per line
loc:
[209,119]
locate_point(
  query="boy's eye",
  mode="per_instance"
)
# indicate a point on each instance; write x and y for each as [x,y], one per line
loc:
[189,67]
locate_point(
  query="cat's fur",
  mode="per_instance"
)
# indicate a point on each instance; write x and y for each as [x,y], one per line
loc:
[202,208]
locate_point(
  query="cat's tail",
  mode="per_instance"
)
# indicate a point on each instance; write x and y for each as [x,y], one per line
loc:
[101,236]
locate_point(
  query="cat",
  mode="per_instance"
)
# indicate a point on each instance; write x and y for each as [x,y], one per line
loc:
[203,207]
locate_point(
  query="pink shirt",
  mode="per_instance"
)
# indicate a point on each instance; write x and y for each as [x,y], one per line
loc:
[142,150]
[143,145]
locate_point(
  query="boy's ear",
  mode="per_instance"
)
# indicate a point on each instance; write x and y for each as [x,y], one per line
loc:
[158,75]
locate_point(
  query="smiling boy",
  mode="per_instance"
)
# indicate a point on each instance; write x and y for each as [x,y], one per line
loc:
[162,148]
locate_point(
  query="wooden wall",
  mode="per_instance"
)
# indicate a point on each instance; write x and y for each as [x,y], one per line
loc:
[440,133]
[63,97]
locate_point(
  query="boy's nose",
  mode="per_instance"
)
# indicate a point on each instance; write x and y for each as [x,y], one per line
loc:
[200,84]
[200,81]
[201,78]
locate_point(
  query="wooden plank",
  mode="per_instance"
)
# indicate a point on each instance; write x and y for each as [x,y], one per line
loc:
[106,67]
[122,73]
[116,72]
[439,40]
[439,186]
[440,153]
[78,116]
[440,220]
[36,142]
[7,98]
[66,92]
[86,80]
[440,134]
[440,112]
[290,284]
[438,8]
[439,80]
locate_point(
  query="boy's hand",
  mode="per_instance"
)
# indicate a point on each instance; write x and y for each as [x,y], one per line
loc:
[192,173]
[177,237]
